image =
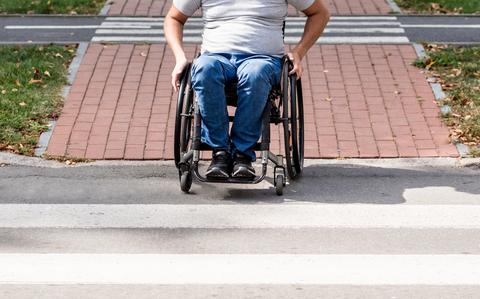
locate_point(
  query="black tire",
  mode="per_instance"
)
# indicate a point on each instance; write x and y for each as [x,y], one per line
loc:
[292,124]
[279,185]
[183,123]
[186,181]
[298,124]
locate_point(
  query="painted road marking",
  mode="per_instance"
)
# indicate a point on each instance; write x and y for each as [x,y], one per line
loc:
[340,30]
[104,25]
[287,31]
[328,269]
[288,23]
[52,27]
[199,19]
[149,24]
[355,40]
[440,26]
[239,216]
[379,30]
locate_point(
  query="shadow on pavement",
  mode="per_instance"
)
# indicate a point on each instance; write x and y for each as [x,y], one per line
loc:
[156,184]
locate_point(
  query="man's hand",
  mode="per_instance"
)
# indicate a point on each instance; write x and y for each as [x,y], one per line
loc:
[177,72]
[297,64]
[317,18]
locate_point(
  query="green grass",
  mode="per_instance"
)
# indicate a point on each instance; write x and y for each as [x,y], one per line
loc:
[458,70]
[51,6]
[440,6]
[31,81]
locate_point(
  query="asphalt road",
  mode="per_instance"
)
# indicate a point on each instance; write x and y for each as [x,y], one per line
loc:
[369,229]
[321,183]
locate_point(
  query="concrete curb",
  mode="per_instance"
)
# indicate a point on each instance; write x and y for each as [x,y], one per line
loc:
[105,9]
[72,72]
[395,8]
[462,149]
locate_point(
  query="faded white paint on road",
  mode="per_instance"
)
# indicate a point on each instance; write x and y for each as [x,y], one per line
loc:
[239,216]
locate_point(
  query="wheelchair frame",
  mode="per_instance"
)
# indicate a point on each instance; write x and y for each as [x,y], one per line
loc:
[187,138]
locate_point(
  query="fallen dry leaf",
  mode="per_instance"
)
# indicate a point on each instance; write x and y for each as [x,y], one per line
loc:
[35,81]
[430,64]
[435,6]
[456,72]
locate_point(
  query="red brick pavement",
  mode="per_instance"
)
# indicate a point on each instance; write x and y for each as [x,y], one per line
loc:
[160,7]
[360,101]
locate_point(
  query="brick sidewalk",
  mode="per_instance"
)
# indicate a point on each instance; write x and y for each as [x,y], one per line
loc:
[360,101]
[160,7]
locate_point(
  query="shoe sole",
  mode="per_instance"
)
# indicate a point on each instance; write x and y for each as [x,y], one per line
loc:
[217,173]
[243,172]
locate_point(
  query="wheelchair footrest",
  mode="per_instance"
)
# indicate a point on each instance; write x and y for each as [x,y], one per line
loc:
[233,180]
[230,180]
[256,147]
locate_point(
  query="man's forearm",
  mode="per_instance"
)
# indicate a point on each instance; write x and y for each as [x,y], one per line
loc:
[174,35]
[316,23]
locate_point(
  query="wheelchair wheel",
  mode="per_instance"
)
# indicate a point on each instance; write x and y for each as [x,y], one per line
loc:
[279,185]
[183,117]
[186,181]
[292,113]
[298,128]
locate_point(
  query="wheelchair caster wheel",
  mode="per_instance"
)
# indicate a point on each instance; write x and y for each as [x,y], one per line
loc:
[186,181]
[279,183]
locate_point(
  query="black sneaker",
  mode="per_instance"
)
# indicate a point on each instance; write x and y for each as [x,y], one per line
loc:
[242,167]
[218,169]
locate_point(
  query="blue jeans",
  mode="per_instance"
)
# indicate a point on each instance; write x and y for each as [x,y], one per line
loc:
[255,75]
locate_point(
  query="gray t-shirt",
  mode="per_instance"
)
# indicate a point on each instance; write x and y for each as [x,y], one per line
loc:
[242,26]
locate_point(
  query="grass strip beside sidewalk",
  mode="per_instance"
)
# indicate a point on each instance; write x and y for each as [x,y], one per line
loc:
[457,69]
[51,6]
[440,6]
[31,81]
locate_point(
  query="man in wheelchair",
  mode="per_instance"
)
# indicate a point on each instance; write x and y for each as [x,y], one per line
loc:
[243,47]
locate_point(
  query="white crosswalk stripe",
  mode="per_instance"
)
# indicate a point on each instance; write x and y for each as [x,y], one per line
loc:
[340,30]
[239,269]
[239,216]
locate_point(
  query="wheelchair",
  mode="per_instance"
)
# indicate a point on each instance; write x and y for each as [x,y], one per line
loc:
[284,107]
